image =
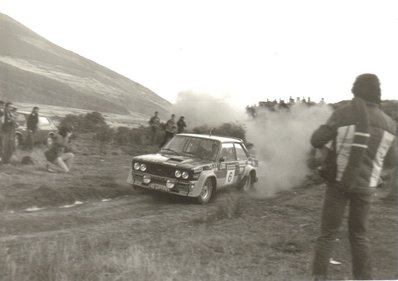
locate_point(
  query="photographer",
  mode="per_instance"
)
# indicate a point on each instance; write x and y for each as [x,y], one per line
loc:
[58,155]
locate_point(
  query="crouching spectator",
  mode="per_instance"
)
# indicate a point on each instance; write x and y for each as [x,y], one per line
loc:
[58,156]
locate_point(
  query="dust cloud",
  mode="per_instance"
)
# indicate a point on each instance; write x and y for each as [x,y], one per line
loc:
[201,108]
[281,138]
[282,142]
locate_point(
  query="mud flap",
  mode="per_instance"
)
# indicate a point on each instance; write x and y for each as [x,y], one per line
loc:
[130,177]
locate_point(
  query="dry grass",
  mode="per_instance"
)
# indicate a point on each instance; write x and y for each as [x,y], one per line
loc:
[237,237]
[95,258]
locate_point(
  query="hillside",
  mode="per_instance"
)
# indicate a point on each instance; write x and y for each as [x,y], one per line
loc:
[34,70]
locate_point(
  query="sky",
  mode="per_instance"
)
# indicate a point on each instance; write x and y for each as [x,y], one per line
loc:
[243,51]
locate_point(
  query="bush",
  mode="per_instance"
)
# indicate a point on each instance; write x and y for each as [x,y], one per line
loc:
[232,129]
[204,129]
[140,135]
[71,120]
[89,122]
[104,134]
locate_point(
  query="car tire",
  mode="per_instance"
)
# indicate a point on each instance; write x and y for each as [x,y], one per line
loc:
[247,184]
[207,192]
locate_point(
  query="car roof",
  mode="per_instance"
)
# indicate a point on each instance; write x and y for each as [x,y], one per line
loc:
[29,112]
[211,137]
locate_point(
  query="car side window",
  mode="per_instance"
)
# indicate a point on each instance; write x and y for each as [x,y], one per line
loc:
[228,152]
[43,121]
[21,119]
[240,152]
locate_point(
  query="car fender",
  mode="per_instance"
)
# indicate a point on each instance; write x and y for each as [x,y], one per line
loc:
[248,170]
[201,181]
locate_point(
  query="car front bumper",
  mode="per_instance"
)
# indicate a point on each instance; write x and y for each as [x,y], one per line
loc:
[187,188]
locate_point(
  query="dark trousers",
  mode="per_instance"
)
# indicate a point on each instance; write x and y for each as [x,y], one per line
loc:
[154,131]
[334,206]
[30,140]
[1,144]
[167,137]
[8,148]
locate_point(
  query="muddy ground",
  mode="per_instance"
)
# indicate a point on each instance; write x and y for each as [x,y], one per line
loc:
[90,225]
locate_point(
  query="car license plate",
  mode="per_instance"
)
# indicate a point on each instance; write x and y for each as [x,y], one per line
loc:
[159,187]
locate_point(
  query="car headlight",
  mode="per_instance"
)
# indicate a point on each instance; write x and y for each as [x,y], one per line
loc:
[170,184]
[136,166]
[185,175]
[143,167]
[178,174]
[146,179]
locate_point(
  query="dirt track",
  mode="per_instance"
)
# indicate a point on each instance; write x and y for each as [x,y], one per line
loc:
[143,212]
[236,237]
[259,231]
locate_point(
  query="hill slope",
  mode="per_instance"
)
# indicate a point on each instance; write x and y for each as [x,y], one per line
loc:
[34,70]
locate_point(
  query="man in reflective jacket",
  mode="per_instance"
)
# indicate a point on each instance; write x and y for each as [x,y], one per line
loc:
[362,139]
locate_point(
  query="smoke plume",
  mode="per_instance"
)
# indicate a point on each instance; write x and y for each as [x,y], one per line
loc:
[200,109]
[281,138]
[282,143]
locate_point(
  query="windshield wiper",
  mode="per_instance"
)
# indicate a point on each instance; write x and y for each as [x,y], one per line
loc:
[189,153]
[170,150]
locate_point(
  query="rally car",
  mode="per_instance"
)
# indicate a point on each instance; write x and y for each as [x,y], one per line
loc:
[195,165]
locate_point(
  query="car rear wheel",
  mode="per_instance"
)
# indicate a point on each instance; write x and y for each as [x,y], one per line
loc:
[247,184]
[207,192]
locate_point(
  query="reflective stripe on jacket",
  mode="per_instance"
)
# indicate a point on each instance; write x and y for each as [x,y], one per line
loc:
[379,145]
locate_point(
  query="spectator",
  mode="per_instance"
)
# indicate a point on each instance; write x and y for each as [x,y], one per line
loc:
[393,192]
[181,125]
[58,154]
[154,122]
[1,127]
[170,130]
[8,133]
[363,137]
[32,126]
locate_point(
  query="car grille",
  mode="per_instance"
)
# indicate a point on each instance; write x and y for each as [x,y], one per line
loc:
[160,170]
[180,185]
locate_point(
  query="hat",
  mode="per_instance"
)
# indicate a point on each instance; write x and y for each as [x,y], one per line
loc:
[367,87]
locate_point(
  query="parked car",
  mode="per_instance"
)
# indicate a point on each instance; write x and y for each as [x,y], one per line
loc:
[195,165]
[46,129]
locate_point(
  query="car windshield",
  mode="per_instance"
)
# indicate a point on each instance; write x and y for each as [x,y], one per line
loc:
[191,146]
[21,119]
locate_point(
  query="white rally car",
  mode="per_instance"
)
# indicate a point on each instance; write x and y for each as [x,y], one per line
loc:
[196,165]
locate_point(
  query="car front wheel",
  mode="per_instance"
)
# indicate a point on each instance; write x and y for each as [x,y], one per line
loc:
[207,192]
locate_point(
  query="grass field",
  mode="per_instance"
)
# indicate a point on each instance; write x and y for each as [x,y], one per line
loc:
[139,235]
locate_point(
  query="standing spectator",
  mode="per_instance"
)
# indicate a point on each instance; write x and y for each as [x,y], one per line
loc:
[181,125]
[1,127]
[363,137]
[393,192]
[58,154]
[170,130]
[8,132]
[32,126]
[154,122]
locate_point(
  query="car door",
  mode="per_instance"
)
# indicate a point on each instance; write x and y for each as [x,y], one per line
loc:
[228,166]
[242,158]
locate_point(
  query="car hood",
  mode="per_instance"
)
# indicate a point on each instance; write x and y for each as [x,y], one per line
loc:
[173,160]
